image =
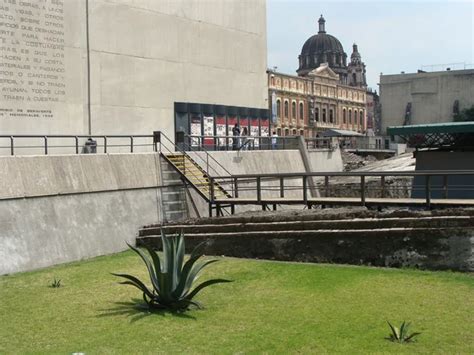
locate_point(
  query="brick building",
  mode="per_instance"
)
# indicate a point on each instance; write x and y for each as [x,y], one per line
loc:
[326,93]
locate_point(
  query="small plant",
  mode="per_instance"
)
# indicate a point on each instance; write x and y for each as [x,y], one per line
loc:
[401,335]
[171,277]
[56,283]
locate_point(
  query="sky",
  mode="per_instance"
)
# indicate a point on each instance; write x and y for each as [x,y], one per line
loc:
[392,36]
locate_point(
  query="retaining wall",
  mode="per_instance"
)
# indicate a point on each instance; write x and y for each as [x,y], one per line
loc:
[62,208]
[56,209]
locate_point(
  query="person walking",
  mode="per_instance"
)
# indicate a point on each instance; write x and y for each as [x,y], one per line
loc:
[274,140]
[245,139]
[236,135]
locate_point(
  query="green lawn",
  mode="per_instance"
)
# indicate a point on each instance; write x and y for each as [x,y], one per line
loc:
[270,307]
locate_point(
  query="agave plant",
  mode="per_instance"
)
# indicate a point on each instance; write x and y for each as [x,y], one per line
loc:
[401,335]
[171,277]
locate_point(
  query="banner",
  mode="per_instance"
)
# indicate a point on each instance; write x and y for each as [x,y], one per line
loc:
[195,130]
[208,122]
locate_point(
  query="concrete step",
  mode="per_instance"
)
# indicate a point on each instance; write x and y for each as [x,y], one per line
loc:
[426,248]
[354,224]
[329,215]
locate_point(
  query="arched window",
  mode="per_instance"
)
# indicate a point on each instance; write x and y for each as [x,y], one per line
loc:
[278,109]
[331,116]
[273,81]
[286,109]
[316,111]
[354,79]
[294,132]
[355,117]
[362,118]
[324,115]
[344,115]
[293,109]
[350,117]
[301,111]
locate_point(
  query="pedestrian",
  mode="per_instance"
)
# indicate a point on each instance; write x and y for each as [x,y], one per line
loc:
[274,140]
[236,135]
[245,139]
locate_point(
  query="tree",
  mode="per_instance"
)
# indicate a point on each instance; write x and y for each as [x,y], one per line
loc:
[465,115]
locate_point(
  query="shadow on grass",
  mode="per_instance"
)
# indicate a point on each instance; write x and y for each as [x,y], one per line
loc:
[136,309]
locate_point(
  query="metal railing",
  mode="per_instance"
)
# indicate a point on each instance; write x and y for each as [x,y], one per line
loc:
[216,143]
[277,186]
[75,143]
[166,145]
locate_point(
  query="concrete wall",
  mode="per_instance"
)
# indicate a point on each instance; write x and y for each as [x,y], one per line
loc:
[432,96]
[56,209]
[143,56]
[326,160]
[65,208]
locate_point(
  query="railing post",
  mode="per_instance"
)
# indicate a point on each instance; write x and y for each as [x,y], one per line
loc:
[428,190]
[211,189]
[76,139]
[207,163]
[236,188]
[305,193]
[12,145]
[362,190]
[45,145]
[445,186]
[259,191]
[382,185]
[326,186]
[131,144]
[282,187]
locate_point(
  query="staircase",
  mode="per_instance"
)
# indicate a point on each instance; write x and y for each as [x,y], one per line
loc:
[195,175]
[173,196]
[441,239]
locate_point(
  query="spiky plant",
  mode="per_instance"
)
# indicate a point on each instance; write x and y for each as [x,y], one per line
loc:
[401,335]
[56,283]
[171,277]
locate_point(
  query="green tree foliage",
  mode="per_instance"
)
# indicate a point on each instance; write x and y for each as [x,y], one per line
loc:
[465,115]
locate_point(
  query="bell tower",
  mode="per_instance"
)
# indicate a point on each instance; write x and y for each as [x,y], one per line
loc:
[356,69]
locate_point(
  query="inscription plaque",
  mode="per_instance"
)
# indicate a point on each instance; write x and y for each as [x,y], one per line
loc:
[32,58]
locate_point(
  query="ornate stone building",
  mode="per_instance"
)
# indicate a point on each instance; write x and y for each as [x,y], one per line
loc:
[327,93]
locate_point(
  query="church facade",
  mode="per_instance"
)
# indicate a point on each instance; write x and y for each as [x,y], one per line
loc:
[327,93]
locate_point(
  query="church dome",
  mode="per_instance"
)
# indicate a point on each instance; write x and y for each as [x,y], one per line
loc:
[321,48]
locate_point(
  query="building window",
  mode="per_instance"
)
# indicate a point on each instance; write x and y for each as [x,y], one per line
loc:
[350,117]
[294,132]
[286,109]
[317,114]
[301,133]
[355,117]
[344,115]
[324,115]
[331,116]
[287,132]
[301,111]
[279,131]
[278,109]
[362,118]
[293,109]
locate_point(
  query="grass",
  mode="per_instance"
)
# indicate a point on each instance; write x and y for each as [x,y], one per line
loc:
[271,307]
